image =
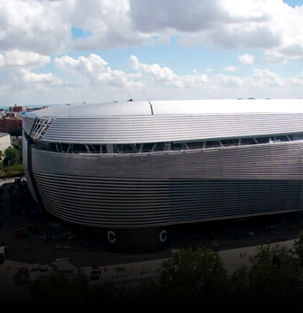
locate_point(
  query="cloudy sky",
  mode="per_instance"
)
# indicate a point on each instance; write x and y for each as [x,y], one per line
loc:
[73,51]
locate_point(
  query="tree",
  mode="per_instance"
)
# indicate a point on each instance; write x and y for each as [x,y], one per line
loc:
[299,247]
[239,284]
[272,278]
[12,155]
[196,277]
[188,279]
[59,292]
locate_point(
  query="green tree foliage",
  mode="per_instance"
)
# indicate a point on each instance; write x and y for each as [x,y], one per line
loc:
[239,283]
[273,272]
[299,247]
[270,283]
[60,292]
[11,164]
[188,280]
[195,275]
[13,155]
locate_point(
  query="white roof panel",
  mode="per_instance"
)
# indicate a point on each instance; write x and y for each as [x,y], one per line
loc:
[166,121]
[173,107]
[95,110]
[226,106]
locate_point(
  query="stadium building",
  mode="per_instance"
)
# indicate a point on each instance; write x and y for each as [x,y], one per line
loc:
[134,169]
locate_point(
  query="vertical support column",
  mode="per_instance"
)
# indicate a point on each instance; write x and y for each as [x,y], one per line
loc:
[109,148]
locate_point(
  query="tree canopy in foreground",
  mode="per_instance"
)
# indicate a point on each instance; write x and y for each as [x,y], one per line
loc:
[188,279]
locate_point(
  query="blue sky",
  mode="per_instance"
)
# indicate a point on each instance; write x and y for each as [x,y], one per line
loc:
[71,51]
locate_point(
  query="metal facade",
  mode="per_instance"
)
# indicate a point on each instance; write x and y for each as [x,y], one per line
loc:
[165,187]
[163,128]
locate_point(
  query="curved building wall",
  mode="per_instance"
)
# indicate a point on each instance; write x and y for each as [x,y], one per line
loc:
[262,161]
[114,166]
[26,164]
[146,190]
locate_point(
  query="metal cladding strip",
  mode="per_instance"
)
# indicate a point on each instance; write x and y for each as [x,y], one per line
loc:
[279,161]
[146,203]
[103,203]
[40,127]
[28,123]
[26,168]
[162,128]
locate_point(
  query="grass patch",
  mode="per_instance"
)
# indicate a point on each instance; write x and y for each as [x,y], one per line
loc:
[11,171]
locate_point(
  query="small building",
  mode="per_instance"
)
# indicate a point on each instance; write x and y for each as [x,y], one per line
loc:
[17,108]
[5,141]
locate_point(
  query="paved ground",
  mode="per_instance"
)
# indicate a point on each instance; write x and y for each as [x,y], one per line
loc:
[234,241]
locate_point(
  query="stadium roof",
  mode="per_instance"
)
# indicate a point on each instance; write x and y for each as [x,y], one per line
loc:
[174,107]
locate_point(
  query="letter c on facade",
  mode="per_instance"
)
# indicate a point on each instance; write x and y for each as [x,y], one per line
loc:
[163,235]
[111,236]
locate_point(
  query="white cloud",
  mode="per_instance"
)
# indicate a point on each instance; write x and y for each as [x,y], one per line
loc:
[95,77]
[271,25]
[275,57]
[94,70]
[44,27]
[38,26]
[2,60]
[33,32]
[261,83]
[298,80]
[21,80]
[40,80]
[252,10]
[89,67]
[109,22]
[230,81]
[264,77]
[23,59]
[157,15]
[209,70]
[230,68]
[165,75]
[246,59]
[226,23]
